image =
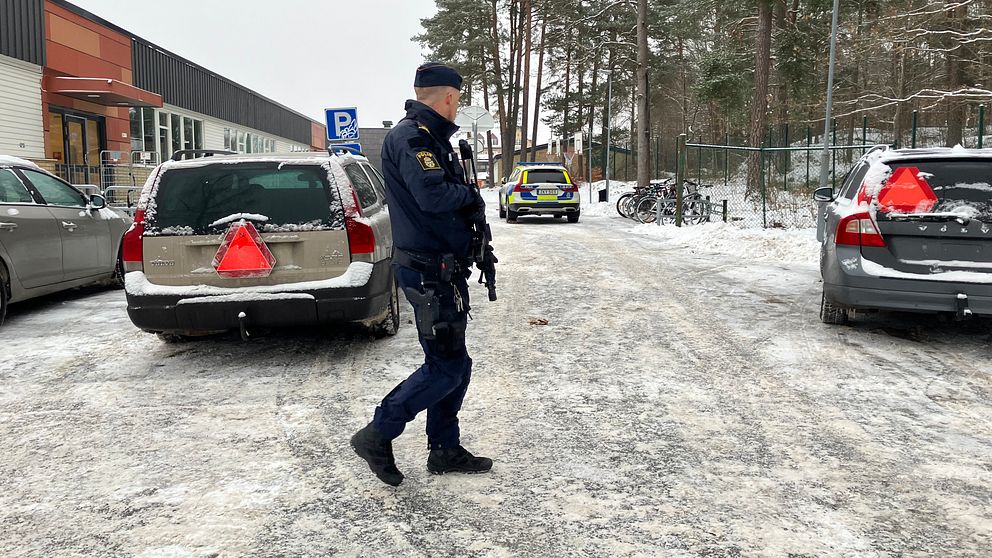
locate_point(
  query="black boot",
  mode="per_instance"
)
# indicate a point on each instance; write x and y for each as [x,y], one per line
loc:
[457,460]
[378,452]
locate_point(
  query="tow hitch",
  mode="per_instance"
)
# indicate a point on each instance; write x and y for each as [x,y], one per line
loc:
[964,312]
[243,325]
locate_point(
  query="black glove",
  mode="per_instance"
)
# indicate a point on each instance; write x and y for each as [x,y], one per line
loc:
[475,212]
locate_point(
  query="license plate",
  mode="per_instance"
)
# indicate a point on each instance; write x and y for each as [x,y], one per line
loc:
[549,192]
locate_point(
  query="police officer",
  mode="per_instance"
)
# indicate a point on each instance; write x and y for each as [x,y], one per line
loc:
[431,209]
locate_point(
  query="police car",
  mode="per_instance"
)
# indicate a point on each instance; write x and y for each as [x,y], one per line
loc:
[539,189]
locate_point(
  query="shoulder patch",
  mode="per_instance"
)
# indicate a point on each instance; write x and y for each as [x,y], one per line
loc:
[428,161]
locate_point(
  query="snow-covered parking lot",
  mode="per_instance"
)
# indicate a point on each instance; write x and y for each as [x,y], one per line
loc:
[683,400]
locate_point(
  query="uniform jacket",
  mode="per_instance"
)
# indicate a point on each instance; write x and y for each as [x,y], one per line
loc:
[425,187]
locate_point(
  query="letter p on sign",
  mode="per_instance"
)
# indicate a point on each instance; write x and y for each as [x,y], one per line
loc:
[342,124]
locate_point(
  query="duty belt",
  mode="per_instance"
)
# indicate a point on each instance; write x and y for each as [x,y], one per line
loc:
[433,267]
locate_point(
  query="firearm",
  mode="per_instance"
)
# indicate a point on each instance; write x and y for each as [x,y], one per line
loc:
[482,236]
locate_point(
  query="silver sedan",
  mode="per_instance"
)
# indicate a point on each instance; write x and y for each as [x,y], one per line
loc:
[52,236]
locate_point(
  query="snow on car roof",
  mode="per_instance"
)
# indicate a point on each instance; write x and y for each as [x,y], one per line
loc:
[10,161]
[935,153]
[306,157]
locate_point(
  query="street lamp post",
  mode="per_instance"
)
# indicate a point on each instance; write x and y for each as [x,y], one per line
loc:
[830,97]
[605,195]
[589,149]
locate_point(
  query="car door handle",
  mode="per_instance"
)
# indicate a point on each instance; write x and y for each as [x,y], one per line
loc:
[68,225]
[8,226]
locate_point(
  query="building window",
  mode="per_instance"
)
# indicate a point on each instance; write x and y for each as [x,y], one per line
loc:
[137,130]
[189,139]
[177,133]
[173,132]
[247,142]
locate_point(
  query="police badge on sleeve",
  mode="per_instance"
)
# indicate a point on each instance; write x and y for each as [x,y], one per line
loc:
[428,161]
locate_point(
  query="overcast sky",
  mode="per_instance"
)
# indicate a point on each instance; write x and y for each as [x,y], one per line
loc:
[280,49]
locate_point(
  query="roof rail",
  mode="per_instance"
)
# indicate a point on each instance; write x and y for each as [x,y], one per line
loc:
[335,150]
[186,153]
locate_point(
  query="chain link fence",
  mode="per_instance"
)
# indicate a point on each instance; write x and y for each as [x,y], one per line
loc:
[779,192]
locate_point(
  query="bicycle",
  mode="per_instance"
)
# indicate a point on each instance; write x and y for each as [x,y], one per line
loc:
[695,208]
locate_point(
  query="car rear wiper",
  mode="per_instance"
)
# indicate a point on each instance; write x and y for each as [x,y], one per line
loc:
[932,217]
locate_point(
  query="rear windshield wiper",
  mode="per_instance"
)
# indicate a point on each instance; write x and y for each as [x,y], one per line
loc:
[932,217]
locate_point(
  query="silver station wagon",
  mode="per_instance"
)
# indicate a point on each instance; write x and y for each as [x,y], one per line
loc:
[52,236]
[227,241]
[909,230]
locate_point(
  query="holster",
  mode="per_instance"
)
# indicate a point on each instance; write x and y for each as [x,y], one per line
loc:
[426,310]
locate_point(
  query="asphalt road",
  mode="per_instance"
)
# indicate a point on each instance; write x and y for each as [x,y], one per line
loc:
[677,403]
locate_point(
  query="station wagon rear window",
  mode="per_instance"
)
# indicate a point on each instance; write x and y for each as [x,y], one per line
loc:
[961,186]
[546,177]
[203,200]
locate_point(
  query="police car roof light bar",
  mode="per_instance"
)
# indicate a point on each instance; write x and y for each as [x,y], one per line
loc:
[187,153]
[338,149]
[526,163]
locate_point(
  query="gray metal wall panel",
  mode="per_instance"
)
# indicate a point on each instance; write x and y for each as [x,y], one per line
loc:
[22,30]
[191,87]
[372,140]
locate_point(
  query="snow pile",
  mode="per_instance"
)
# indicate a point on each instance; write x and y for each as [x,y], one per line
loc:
[299,227]
[9,161]
[786,246]
[237,217]
[357,275]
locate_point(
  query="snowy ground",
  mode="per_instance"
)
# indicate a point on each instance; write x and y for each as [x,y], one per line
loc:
[683,401]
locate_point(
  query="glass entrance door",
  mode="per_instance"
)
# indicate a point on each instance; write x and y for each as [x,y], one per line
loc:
[78,153]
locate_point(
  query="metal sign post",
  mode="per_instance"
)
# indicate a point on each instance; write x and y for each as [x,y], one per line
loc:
[476,119]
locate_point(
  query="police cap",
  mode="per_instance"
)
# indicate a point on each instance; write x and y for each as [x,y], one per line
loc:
[434,74]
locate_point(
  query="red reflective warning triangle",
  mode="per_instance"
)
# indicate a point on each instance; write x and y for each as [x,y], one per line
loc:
[243,254]
[907,191]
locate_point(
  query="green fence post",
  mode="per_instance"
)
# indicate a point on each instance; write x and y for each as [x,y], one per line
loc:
[724,211]
[864,134]
[699,165]
[981,126]
[809,145]
[680,174]
[626,164]
[788,160]
[764,196]
[726,161]
[912,141]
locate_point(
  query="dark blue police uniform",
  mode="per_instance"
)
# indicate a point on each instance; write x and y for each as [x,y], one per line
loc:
[428,201]
[433,213]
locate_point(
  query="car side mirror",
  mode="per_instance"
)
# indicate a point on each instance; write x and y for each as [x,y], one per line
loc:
[825,194]
[97,202]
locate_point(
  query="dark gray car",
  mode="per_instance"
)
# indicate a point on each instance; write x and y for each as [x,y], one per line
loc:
[909,230]
[52,236]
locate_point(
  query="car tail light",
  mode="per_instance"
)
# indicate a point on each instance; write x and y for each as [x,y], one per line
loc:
[132,252]
[521,187]
[243,253]
[859,230]
[906,192]
[570,188]
[361,237]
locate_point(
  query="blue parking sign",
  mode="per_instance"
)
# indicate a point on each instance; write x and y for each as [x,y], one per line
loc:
[342,123]
[356,146]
